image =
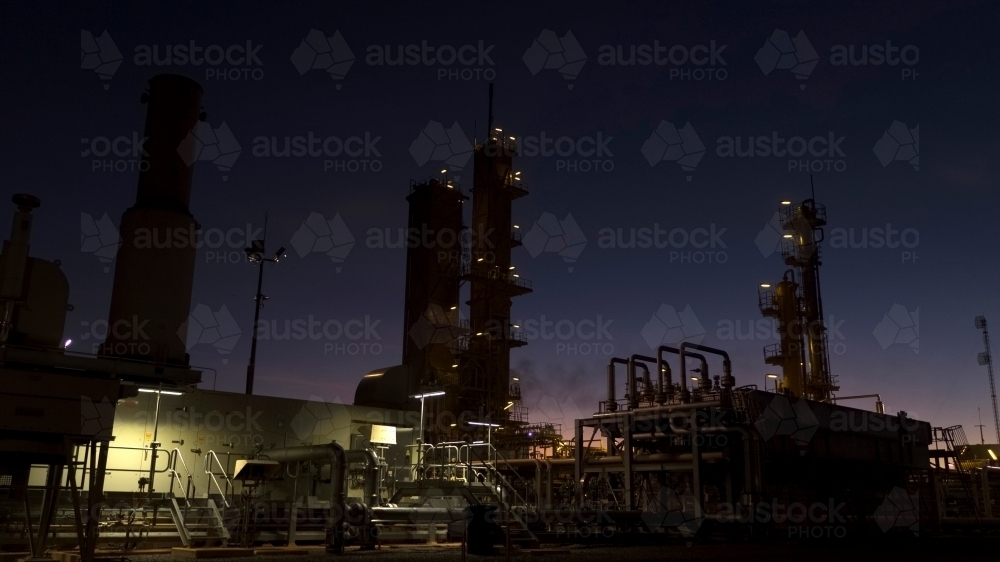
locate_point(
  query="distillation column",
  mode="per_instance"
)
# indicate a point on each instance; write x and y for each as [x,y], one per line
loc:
[804,222]
[493,280]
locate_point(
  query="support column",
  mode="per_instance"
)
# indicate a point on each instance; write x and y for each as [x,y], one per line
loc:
[626,454]
[50,502]
[579,454]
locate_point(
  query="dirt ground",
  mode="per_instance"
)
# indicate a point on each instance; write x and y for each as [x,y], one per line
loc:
[771,552]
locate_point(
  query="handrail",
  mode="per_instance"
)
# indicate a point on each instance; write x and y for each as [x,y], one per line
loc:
[172,458]
[494,471]
[497,454]
[212,480]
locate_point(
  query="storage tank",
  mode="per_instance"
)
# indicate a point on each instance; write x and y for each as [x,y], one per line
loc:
[34,292]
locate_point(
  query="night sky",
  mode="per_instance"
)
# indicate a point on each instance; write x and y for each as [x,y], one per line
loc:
[913,152]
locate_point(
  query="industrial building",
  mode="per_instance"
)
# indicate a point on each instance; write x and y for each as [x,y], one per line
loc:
[122,447]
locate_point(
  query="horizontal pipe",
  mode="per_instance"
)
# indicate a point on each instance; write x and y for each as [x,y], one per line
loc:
[403,515]
[659,457]
[662,409]
[645,467]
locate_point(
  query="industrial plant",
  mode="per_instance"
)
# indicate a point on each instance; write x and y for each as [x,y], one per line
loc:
[123,450]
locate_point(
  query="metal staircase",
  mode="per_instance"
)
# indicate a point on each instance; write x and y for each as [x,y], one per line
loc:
[199,521]
[959,486]
[512,505]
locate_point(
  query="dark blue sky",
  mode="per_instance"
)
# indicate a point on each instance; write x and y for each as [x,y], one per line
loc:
[947,278]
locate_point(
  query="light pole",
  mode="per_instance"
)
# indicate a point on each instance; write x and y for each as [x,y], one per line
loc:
[489,435]
[422,396]
[255,253]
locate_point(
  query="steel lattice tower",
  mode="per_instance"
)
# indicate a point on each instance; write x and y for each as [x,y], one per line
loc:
[986,358]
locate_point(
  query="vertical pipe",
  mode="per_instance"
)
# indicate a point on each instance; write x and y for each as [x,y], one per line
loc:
[664,369]
[633,394]
[626,455]
[633,362]
[612,403]
[294,516]
[420,449]
[153,445]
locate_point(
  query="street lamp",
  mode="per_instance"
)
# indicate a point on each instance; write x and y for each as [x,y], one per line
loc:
[422,396]
[255,253]
[775,377]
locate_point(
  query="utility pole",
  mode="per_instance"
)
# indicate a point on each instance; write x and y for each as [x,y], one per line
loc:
[255,253]
[986,358]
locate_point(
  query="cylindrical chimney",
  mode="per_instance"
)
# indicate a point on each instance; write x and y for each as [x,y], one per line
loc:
[154,272]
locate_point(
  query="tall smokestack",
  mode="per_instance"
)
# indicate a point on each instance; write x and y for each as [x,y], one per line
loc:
[155,266]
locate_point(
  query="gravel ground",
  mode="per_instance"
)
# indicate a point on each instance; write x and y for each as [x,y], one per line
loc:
[772,552]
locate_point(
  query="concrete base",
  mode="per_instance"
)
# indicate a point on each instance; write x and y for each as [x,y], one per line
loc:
[221,552]
[284,551]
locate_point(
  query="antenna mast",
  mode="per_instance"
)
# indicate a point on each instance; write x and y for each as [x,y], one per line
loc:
[489,122]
